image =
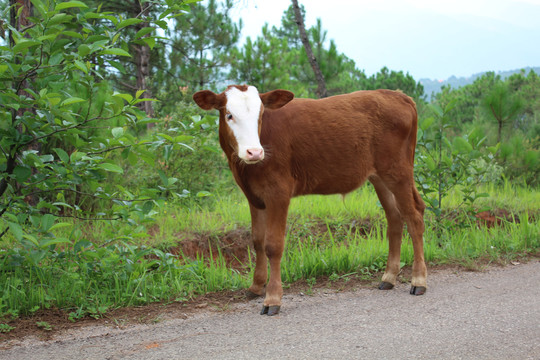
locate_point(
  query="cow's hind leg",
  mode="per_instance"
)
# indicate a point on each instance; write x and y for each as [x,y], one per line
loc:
[419,273]
[394,233]
[258,226]
[411,207]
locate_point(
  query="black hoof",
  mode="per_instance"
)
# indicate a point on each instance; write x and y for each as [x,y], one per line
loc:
[250,295]
[385,286]
[418,290]
[270,310]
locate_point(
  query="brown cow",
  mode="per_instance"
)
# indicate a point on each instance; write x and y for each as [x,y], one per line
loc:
[278,148]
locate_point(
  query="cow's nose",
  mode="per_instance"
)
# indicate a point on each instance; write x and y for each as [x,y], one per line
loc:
[255,154]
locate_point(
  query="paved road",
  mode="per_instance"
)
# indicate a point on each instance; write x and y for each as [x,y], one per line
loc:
[467,315]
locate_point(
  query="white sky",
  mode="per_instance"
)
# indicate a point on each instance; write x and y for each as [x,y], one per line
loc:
[427,38]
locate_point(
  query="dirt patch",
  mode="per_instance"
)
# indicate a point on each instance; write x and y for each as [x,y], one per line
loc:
[234,247]
[494,218]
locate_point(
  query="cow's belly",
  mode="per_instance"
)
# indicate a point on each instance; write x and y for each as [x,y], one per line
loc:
[325,183]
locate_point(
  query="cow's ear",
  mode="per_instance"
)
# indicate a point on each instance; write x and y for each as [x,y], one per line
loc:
[208,100]
[276,99]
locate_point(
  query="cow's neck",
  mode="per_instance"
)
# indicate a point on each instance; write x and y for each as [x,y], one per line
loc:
[240,173]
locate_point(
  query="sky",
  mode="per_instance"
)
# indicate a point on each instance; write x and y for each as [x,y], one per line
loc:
[432,39]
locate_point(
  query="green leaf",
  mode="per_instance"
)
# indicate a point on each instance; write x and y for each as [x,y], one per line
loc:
[16,230]
[118,66]
[70,4]
[115,51]
[462,145]
[83,50]
[430,163]
[139,93]
[48,37]
[72,100]
[25,44]
[450,105]
[150,41]
[203,194]
[117,132]
[60,18]
[38,5]
[493,149]
[72,34]
[133,158]
[182,138]
[47,221]
[62,155]
[147,206]
[437,110]
[62,204]
[3,68]
[76,156]
[22,173]
[162,24]
[128,22]
[143,100]
[31,238]
[50,242]
[166,137]
[81,66]
[126,97]
[163,177]
[426,123]
[111,167]
[143,31]
[60,226]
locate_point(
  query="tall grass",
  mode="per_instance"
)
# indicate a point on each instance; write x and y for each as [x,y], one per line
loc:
[89,280]
[105,266]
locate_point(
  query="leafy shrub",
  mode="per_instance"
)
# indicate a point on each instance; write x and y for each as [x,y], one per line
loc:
[521,160]
[443,164]
[60,123]
[196,169]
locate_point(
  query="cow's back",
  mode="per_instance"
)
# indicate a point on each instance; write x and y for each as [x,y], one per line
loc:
[332,145]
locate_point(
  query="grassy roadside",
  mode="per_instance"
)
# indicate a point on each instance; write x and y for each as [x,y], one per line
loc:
[104,266]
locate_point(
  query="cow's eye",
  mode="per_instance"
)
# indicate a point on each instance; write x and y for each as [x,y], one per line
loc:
[229,117]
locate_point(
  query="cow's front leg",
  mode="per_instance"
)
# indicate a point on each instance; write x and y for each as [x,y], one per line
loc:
[276,221]
[258,226]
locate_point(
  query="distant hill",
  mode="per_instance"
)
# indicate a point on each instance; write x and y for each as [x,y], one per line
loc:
[434,86]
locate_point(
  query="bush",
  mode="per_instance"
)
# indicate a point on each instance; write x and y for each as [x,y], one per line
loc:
[521,160]
[196,169]
[443,164]
[61,123]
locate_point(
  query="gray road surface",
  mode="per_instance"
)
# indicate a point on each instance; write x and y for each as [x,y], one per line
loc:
[464,315]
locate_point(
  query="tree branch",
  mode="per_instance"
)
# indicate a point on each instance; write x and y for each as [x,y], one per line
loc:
[87,219]
[321,88]
[62,130]
[86,194]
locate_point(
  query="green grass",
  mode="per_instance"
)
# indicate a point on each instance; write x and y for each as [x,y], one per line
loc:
[107,265]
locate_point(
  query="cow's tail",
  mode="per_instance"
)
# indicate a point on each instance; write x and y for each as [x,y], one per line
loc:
[414,129]
[419,203]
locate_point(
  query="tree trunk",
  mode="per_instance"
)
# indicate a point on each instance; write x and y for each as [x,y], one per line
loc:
[20,23]
[321,88]
[142,63]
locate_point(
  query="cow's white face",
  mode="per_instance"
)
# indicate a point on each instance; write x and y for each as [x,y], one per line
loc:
[242,115]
